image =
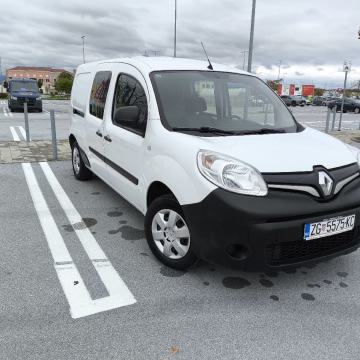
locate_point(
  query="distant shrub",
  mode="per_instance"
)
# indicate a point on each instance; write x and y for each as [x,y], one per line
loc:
[3,96]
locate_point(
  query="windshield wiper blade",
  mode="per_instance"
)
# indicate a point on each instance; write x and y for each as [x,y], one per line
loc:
[261,131]
[206,129]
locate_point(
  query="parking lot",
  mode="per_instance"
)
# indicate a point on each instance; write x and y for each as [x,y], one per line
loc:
[13,123]
[176,314]
[79,282]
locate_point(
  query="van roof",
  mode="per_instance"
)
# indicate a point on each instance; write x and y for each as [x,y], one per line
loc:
[147,64]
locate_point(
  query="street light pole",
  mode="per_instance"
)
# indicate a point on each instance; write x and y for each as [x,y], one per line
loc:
[83,41]
[244,59]
[280,63]
[251,42]
[347,68]
[175,24]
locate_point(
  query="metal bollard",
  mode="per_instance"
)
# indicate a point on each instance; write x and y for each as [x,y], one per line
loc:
[334,118]
[327,121]
[53,134]
[26,116]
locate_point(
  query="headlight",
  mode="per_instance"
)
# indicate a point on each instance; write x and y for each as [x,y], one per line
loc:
[13,97]
[231,174]
[38,98]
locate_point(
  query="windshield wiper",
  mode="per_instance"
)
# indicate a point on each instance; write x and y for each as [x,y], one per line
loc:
[261,131]
[206,129]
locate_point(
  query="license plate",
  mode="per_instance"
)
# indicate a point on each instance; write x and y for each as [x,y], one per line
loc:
[329,227]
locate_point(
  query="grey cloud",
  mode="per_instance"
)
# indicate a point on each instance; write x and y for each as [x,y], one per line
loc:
[48,33]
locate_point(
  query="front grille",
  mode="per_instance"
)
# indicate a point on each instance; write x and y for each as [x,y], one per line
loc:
[30,102]
[297,251]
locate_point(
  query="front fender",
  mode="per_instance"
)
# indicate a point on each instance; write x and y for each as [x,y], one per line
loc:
[185,181]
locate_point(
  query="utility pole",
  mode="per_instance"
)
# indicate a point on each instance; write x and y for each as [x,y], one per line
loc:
[0,66]
[346,69]
[175,29]
[251,42]
[83,43]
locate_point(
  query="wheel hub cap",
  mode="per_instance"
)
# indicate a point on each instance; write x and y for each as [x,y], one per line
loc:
[171,234]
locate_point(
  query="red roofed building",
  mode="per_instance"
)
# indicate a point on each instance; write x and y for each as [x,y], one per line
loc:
[46,74]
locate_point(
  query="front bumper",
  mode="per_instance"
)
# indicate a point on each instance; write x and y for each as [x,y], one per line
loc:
[266,233]
[18,104]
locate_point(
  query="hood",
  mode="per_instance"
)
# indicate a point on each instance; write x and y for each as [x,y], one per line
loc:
[290,152]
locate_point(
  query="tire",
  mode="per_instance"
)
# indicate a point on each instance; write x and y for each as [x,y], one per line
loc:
[81,172]
[357,110]
[158,220]
[293,103]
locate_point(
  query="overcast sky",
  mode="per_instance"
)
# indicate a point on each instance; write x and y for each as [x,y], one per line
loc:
[311,38]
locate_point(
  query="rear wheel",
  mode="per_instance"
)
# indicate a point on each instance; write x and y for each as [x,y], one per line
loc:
[357,110]
[168,234]
[81,172]
[293,103]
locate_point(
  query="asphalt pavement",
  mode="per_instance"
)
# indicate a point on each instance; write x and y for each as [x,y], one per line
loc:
[39,123]
[209,312]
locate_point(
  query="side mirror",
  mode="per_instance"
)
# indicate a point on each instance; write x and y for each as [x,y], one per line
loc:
[127,116]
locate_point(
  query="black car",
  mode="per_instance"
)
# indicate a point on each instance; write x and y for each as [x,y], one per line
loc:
[351,105]
[318,101]
[21,91]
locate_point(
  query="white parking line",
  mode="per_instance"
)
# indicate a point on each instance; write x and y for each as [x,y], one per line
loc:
[14,134]
[23,133]
[46,111]
[77,295]
[119,294]
[7,112]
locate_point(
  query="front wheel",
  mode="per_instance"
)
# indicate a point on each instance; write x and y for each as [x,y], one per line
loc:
[168,234]
[81,172]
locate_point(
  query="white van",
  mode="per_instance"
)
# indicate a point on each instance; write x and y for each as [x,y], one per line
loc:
[216,162]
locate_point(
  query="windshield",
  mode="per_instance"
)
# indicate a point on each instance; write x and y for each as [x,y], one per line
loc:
[190,100]
[24,86]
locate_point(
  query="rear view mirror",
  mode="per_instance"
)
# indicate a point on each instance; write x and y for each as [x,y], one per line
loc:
[127,116]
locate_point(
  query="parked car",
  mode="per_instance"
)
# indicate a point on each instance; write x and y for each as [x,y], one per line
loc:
[318,101]
[21,91]
[293,100]
[222,181]
[351,105]
[328,100]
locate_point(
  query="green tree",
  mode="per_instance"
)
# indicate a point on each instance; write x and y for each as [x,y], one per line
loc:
[274,84]
[64,83]
[319,92]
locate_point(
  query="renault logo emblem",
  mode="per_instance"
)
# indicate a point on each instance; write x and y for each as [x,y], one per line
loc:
[325,182]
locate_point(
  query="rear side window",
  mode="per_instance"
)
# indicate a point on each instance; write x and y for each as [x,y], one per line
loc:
[129,92]
[99,92]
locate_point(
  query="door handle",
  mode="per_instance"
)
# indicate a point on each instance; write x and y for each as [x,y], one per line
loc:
[98,133]
[107,138]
